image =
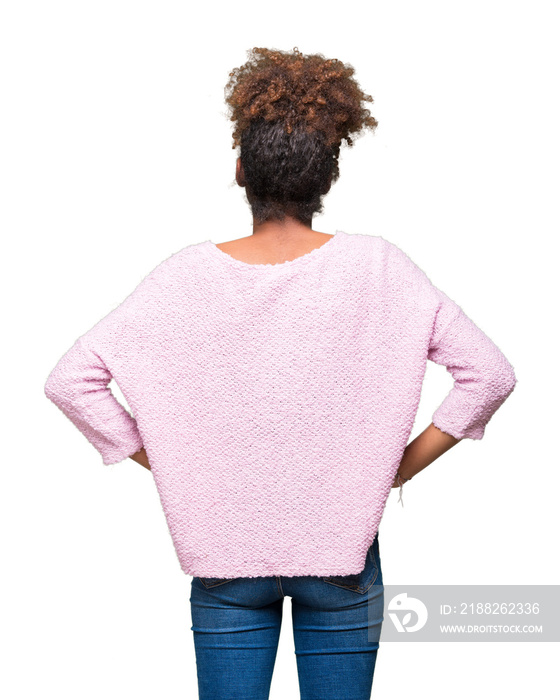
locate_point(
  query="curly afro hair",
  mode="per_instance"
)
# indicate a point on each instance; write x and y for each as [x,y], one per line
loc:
[291,113]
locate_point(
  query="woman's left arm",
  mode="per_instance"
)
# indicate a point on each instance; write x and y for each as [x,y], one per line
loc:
[79,386]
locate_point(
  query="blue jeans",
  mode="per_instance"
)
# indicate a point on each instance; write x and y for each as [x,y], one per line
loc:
[236,626]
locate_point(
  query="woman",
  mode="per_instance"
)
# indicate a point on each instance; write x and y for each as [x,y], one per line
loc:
[273,381]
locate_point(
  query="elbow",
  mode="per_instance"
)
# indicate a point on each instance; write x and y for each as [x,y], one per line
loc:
[498,380]
[496,390]
[507,381]
[57,390]
[51,388]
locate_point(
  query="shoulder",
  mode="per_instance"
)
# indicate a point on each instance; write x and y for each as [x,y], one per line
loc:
[379,247]
[164,279]
[154,290]
[396,274]
[364,242]
[176,263]
[387,255]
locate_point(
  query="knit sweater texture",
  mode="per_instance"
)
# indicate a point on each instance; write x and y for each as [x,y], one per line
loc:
[275,401]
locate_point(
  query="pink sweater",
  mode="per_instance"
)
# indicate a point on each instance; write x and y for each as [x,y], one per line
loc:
[275,401]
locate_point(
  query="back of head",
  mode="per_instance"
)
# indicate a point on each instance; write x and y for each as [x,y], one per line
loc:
[291,113]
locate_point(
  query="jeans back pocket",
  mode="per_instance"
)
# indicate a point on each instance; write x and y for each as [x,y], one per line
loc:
[212,582]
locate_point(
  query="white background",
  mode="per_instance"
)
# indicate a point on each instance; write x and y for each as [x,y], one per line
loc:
[116,153]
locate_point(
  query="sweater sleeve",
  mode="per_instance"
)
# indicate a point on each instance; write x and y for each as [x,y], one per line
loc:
[483,377]
[78,385]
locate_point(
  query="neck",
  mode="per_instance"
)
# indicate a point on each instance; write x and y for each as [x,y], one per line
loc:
[289,229]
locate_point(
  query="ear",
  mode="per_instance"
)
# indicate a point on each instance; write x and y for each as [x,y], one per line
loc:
[239,174]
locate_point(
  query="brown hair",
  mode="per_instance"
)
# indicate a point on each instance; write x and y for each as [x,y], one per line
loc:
[291,113]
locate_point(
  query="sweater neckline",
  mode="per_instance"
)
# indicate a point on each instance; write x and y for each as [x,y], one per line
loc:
[316,253]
